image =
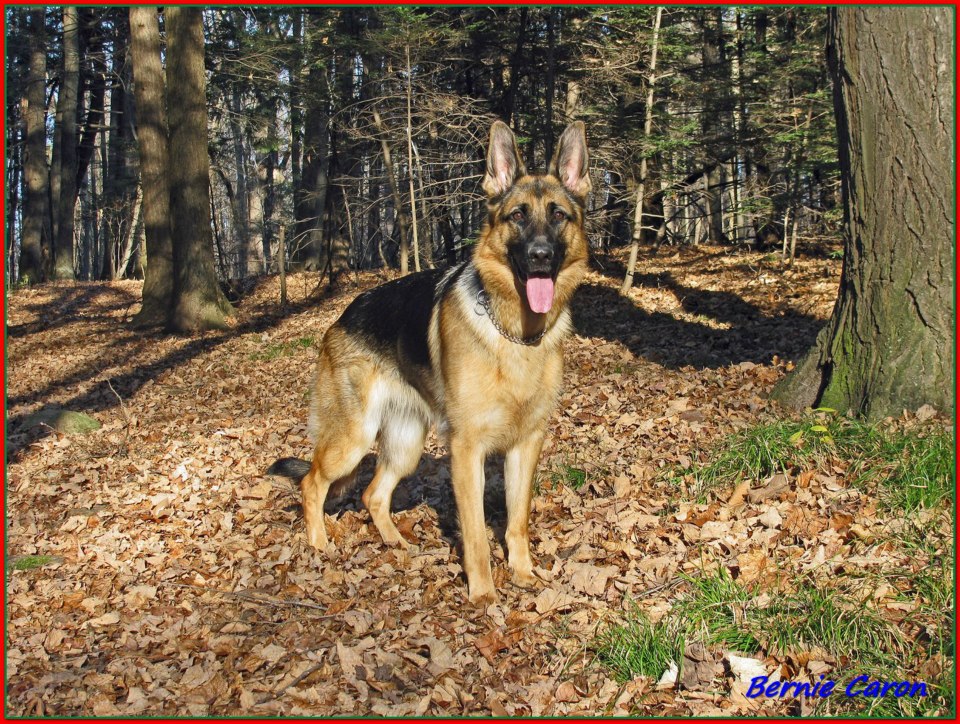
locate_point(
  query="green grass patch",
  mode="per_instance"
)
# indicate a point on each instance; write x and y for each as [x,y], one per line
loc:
[908,469]
[715,610]
[572,477]
[828,618]
[719,610]
[764,450]
[912,470]
[934,587]
[808,617]
[28,563]
[284,349]
[638,647]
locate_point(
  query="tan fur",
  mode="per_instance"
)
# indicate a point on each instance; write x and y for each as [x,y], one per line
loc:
[489,394]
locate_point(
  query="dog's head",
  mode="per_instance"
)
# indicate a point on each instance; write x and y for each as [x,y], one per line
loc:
[536,223]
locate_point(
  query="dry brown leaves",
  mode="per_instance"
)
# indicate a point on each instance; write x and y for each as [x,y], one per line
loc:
[182,584]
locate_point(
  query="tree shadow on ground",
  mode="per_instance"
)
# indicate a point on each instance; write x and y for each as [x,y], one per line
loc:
[73,305]
[108,393]
[748,334]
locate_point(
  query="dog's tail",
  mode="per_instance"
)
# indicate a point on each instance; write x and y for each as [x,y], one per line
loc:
[296,469]
[293,468]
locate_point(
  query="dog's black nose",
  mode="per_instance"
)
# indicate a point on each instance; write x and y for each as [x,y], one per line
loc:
[540,252]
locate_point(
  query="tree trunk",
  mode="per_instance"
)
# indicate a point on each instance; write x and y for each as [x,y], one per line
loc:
[129,246]
[15,190]
[152,139]
[295,70]
[508,102]
[67,110]
[413,197]
[550,81]
[95,81]
[240,206]
[642,185]
[198,303]
[36,210]
[888,345]
[308,249]
[715,118]
[120,176]
[424,213]
[402,219]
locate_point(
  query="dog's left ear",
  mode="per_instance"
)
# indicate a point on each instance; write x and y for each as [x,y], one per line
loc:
[571,162]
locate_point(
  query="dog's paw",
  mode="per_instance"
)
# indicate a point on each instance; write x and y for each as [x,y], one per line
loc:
[394,541]
[524,579]
[317,537]
[482,598]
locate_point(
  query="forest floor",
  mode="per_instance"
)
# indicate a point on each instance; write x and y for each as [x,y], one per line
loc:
[152,569]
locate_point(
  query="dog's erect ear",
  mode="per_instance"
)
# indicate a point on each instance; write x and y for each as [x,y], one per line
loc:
[503,161]
[571,162]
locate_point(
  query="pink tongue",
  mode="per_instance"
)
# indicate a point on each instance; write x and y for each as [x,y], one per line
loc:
[540,294]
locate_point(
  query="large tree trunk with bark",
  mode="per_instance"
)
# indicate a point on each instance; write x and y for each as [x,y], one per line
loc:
[198,303]
[888,346]
[67,113]
[308,249]
[152,139]
[36,209]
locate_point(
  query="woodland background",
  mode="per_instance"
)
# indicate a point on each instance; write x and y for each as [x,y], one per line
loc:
[361,130]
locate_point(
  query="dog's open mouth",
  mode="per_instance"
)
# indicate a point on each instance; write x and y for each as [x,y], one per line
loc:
[539,289]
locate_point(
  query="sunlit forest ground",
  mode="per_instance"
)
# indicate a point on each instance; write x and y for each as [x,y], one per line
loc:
[689,535]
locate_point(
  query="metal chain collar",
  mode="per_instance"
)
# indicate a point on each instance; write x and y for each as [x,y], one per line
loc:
[483,302]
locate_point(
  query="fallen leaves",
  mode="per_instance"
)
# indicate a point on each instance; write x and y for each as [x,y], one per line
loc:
[700,668]
[590,579]
[495,641]
[107,619]
[183,585]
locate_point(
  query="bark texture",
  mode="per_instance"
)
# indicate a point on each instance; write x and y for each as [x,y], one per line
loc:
[152,140]
[308,248]
[67,112]
[889,343]
[36,209]
[198,302]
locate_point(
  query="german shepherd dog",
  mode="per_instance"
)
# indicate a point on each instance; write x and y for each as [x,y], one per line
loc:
[475,349]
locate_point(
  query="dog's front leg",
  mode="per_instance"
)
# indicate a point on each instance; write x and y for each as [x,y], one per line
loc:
[466,462]
[519,467]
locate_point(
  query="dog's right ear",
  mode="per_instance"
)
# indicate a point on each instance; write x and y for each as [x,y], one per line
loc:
[504,165]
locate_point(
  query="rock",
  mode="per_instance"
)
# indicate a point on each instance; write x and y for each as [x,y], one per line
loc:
[63,421]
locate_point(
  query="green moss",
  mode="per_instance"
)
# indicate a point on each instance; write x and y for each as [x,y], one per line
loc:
[27,563]
[63,421]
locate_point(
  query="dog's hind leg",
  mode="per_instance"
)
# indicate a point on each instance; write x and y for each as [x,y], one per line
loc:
[401,444]
[343,438]
[334,464]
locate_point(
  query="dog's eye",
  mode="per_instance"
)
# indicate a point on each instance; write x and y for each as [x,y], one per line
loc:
[517,216]
[559,215]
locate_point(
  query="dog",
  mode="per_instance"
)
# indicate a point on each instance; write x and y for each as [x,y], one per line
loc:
[475,349]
